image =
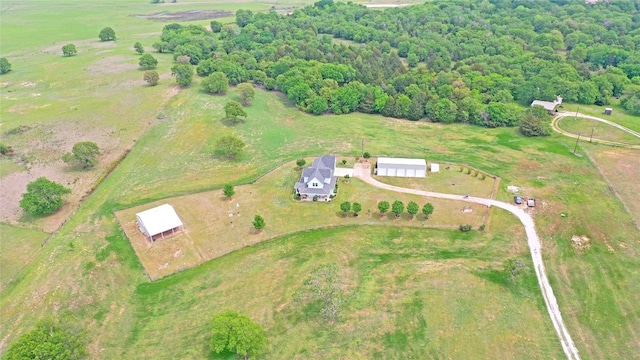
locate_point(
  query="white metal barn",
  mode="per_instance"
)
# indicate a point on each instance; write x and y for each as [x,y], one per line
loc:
[401,167]
[158,221]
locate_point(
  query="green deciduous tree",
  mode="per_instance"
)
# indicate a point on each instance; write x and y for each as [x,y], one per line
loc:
[43,197]
[69,50]
[324,285]
[246,92]
[84,153]
[216,26]
[229,147]
[5,66]
[183,74]
[243,17]
[216,83]
[228,191]
[532,125]
[232,110]
[151,77]
[237,334]
[383,207]
[147,61]
[258,222]
[345,207]
[138,47]
[412,208]
[301,162]
[427,210]
[356,208]
[107,34]
[49,340]
[397,208]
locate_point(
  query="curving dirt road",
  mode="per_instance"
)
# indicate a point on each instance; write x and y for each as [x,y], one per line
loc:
[560,115]
[363,172]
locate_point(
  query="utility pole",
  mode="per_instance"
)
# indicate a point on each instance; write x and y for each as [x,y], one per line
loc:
[591,137]
[363,148]
[576,147]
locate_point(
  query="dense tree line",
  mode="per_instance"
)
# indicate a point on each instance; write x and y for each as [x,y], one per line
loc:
[459,61]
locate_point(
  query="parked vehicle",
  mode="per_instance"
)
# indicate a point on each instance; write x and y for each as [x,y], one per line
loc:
[517,199]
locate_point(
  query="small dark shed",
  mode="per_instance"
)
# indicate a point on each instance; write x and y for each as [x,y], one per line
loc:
[608,111]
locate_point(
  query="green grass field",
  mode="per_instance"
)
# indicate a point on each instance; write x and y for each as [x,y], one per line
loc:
[601,130]
[619,115]
[421,293]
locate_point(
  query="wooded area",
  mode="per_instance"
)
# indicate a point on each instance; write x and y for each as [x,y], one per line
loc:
[460,61]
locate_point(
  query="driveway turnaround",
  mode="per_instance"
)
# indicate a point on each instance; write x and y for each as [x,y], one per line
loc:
[363,172]
[560,115]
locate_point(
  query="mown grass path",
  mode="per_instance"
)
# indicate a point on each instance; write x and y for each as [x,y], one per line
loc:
[363,172]
[556,128]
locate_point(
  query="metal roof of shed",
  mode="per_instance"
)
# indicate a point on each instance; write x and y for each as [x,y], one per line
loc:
[401,161]
[159,219]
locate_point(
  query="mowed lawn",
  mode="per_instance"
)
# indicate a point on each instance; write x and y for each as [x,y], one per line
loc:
[215,226]
[601,130]
[412,293]
[619,114]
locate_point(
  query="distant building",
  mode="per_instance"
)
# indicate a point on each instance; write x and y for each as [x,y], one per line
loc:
[548,105]
[531,202]
[401,167]
[435,167]
[608,111]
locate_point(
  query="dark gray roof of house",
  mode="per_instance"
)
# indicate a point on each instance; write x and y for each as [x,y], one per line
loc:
[321,169]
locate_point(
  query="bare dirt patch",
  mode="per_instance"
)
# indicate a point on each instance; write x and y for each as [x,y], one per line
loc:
[580,243]
[190,15]
[111,65]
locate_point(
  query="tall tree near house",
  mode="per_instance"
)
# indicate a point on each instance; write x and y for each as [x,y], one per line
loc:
[238,334]
[383,207]
[345,207]
[301,162]
[356,208]
[228,191]
[84,153]
[397,208]
[427,210]
[412,208]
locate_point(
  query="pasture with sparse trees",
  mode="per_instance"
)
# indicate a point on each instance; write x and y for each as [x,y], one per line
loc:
[461,62]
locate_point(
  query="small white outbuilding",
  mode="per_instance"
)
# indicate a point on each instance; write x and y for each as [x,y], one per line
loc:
[158,221]
[401,167]
[435,167]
